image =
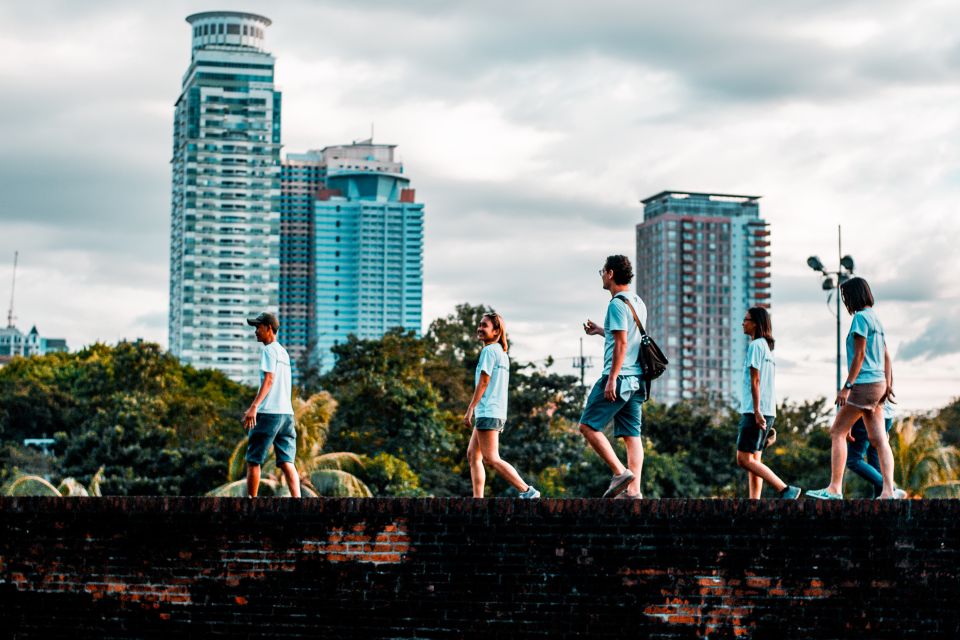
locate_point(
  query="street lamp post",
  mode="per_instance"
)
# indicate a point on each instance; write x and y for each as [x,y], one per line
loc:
[843,273]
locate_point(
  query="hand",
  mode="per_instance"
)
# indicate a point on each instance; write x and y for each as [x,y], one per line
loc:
[250,418]
[761,420]
[888,394]
[610,390]
[592,329]
[468,418]
[850,437]
[842,396]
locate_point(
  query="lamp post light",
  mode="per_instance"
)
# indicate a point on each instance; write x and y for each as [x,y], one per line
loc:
[832,280]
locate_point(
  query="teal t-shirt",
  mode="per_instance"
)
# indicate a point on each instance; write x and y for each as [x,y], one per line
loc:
[759,357]
[496,364]
[620,318]
[866,323]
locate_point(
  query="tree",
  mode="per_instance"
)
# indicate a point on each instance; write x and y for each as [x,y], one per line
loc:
[387,404]
[921,460]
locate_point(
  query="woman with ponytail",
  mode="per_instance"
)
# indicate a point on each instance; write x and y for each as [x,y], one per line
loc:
[487,412]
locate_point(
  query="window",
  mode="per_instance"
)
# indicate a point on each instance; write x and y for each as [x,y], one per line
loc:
[245,30]
[233,28]
[220,28]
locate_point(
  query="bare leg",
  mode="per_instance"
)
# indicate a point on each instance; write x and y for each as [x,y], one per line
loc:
[876,431]
[755,482]
[293,478]
[634,445]
[478,476]
[489,448]
[756,467]
[253,479]
[846,417]
[604,449]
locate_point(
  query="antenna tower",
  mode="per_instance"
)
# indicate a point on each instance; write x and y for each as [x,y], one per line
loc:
[13,288]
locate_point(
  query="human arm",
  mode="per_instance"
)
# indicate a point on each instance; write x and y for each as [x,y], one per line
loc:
[887,373]
[755,394]
[482,384]
[250,417]
[859,353]
[619,351]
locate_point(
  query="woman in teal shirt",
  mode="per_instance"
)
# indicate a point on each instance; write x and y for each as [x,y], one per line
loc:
[487,412]
[869,384]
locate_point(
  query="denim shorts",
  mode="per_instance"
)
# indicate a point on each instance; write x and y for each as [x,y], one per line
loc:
[751,437]
[625,412]
[272,429]
[489,424]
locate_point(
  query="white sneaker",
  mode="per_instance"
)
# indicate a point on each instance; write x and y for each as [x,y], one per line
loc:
[530,494]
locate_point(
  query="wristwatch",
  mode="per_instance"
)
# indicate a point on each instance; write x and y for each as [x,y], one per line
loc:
[847,385]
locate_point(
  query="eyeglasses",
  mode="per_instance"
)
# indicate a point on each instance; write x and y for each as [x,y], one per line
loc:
[602,271]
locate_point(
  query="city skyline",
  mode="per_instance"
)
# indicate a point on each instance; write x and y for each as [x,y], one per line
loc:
[533,145]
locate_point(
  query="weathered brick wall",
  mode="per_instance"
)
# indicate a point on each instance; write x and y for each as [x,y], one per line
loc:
[452,568]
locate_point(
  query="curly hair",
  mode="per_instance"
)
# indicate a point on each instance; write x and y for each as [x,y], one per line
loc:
[621,267]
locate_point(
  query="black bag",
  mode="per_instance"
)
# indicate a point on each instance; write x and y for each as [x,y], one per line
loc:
[651,360]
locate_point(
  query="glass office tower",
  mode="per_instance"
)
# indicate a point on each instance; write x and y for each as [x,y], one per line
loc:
[363,264]
[702,260]
[224,241]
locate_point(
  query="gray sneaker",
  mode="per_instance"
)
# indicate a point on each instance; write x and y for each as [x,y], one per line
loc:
[530,494]
[618,484]
[626,495]
[899,494]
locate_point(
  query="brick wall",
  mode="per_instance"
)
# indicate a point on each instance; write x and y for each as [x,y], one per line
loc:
[463,568]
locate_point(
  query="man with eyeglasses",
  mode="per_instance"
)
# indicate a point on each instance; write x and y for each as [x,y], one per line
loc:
[618,394]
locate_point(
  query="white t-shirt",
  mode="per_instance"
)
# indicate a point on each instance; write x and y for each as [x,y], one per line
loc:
[495,363]
[274,359]
[759,357]
[620,318]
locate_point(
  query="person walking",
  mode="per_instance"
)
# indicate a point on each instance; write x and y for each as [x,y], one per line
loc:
[858,445]
[869,383]
[758,406]
[269,420]
[618,394]
[487,411]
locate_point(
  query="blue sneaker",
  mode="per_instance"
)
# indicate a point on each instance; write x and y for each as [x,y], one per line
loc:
[823,494]
[790,493]
[530,494]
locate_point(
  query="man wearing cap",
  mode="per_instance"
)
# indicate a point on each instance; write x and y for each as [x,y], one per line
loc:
[269,420]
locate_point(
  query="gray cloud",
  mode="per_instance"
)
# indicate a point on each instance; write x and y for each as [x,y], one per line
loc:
[622,98]
[941,337]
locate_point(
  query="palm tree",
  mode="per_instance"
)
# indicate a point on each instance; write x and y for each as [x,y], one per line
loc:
[923,465]
[30,485]
[321,474]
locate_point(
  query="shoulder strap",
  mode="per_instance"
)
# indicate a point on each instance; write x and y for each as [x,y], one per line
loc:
[635,316]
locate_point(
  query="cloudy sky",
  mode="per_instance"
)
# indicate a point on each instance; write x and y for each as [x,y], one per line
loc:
[531,130]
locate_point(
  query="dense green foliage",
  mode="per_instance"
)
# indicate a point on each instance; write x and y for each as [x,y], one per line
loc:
[387,419]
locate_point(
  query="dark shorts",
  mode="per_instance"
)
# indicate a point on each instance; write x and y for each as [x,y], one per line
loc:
[489,424]
[751,437]
[626,414]
[272,429]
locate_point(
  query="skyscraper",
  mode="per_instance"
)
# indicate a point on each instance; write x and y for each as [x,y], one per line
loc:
[224,240]
[364,259]
[702,260]
[301,181]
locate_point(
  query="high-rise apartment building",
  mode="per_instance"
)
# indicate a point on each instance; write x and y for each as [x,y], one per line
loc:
[301,182]
[362,261]
[702,260]
[224,241]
